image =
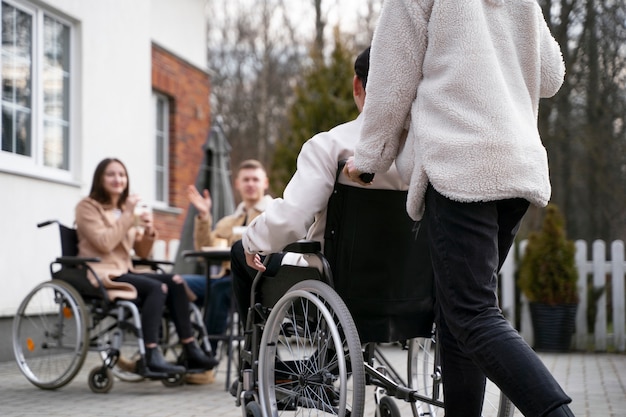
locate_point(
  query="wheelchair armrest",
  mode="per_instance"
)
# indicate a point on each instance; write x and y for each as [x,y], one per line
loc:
[74,271]
[151,263]
[223,254]
[304,246]
[75,260]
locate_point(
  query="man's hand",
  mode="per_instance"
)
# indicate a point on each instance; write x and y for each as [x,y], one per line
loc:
[254,261]
[354,174]
[202,203]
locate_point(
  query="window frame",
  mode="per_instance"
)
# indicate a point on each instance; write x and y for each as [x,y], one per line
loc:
[33,165]
[157,98]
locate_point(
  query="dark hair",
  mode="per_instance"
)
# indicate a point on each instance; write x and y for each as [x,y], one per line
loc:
[362,66]
[250,164]
[98,192]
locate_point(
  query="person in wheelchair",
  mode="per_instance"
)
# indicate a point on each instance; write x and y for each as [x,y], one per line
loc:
[105,225]
[251,183]
[305,212]
[302,210]
[301,213]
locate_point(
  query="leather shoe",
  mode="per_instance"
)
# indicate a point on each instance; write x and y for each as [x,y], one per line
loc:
[194,358]
[155,362]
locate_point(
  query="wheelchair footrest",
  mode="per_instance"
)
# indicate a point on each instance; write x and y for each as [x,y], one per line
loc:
[155,375]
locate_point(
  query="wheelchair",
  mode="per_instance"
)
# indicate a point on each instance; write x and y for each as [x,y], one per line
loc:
[62,319]
[312,334]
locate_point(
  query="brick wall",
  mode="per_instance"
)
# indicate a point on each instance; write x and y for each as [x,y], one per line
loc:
[187,88]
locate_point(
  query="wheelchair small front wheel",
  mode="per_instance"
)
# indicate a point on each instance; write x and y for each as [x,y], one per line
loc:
[50,338]
[388,408]
[175,380]
[253,409]
[100,380]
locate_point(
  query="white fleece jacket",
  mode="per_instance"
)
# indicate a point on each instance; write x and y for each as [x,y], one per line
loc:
[468,76]
[301,213]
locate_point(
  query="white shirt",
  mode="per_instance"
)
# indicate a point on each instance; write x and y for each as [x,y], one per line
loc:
[301,213]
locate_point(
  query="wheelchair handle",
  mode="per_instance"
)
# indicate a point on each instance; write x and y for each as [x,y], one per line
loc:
[47,223]
[366,177]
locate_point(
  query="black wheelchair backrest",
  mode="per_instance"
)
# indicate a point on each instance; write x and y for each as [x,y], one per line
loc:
[73,268]
[69,241]
[380,262]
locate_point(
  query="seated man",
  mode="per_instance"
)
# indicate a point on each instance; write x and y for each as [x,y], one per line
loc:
[301,213]
[251,182]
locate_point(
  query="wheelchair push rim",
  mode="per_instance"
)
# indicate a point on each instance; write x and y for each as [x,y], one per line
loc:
[311,363]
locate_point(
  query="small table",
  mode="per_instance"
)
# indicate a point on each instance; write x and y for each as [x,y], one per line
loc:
[215,256]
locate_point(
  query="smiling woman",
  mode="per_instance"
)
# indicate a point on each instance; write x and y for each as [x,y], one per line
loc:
[105,225]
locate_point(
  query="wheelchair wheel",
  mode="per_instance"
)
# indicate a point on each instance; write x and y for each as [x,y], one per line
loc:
[425,377]
[50,339]
[100,380]
[168,337]
[310,359]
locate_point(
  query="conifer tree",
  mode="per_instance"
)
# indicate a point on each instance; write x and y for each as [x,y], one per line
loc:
[322,100]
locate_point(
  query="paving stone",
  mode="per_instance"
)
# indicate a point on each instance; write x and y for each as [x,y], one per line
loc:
[595,381]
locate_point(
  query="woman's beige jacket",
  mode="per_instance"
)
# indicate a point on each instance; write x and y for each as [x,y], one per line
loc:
[109,234]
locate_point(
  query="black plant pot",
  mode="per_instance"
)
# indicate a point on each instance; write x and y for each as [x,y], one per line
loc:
[553,326]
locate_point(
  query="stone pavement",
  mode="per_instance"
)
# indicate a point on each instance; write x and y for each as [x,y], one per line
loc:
[595,381]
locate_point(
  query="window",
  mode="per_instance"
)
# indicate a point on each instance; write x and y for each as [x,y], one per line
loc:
[162,138]
[35,59]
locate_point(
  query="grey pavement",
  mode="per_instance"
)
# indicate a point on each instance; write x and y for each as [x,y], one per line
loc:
[595,381]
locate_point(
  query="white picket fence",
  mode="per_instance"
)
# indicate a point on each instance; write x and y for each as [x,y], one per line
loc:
[608,335]
[607,272]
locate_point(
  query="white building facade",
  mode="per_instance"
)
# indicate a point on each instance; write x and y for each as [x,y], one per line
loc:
[78,86]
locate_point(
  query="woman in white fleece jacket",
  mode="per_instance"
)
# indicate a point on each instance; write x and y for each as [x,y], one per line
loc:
[467,76]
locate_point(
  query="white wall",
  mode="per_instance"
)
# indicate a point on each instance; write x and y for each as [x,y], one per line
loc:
[112,116]
[183,40]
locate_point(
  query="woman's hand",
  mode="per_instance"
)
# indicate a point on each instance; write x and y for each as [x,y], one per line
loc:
[254,261]
[147,219]
[202,203]
[131,202]
[353,173]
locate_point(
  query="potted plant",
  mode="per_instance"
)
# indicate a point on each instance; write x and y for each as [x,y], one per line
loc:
[548,278]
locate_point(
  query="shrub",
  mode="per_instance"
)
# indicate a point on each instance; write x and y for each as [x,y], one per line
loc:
[548,271]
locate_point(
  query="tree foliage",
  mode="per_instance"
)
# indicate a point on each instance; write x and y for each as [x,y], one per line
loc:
[255,58]
[583,125]
[323,99]
[259,59]
[258,56]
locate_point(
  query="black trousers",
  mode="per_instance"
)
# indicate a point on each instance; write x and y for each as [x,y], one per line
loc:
[152,300]
[469,243]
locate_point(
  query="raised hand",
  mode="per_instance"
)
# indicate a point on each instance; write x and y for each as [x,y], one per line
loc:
[202,203]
